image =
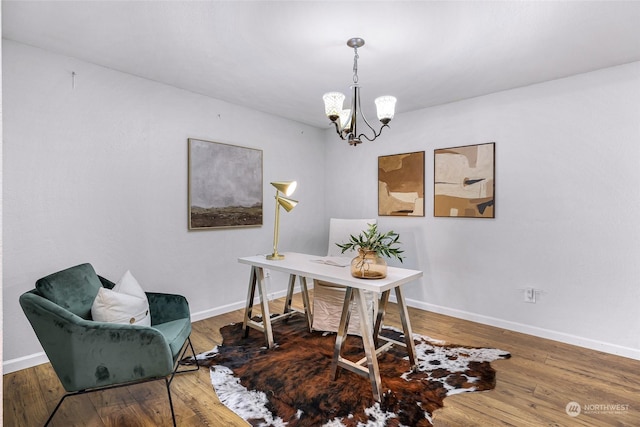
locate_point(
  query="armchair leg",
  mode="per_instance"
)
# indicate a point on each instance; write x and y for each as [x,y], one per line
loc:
[173,415]
[188,345]
[76,393]
[57,406]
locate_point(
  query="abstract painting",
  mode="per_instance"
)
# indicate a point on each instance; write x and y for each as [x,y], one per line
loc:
[225,185]
[464,181]
[401,184]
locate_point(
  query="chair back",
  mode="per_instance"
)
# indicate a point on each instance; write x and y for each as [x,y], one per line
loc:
[73,289]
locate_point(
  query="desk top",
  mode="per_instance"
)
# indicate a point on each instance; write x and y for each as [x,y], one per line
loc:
[303,265]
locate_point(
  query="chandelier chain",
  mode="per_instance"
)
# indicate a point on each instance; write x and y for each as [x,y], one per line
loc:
[355,65]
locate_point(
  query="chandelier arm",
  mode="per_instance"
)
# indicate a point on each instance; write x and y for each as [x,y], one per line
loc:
[338,131]
[375,134]
[368,124]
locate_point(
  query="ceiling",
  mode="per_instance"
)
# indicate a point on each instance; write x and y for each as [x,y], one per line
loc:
[281,56]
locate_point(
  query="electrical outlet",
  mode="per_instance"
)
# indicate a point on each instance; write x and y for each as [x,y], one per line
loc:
[530,295]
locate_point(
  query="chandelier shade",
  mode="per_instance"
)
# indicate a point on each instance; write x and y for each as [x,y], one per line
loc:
[333,102]
[386,107]
[346,120]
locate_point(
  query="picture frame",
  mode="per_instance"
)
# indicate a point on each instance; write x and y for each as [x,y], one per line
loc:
[225,187]
[401,184]
[464,181]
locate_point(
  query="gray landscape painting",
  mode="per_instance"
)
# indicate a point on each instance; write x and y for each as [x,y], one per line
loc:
[225,185]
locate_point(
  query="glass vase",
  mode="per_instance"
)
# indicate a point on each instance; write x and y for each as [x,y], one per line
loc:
[368,265]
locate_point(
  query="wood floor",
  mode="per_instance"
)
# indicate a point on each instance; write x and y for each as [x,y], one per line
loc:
[533,388]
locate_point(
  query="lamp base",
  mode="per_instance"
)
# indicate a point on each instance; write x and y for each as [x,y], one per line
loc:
[275,256]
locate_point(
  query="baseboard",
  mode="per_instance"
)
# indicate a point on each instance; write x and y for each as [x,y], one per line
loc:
[24,362]
[473,317]
[216,311]
[605,347]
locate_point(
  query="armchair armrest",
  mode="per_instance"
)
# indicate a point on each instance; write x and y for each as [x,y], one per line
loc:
[167,307]
[87,354]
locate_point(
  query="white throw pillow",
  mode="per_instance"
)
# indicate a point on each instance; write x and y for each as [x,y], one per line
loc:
[125,303]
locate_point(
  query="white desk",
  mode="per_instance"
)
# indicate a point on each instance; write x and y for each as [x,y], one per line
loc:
[303,267]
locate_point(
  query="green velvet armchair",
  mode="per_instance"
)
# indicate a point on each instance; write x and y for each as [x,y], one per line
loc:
[88,355]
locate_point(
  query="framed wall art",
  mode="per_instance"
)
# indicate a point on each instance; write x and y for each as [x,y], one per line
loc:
[225,185]
[464,181]
[401,184]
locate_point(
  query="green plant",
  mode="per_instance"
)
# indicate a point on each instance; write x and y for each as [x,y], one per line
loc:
[373,240]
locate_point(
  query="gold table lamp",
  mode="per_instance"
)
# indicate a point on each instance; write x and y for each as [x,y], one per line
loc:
[287,188]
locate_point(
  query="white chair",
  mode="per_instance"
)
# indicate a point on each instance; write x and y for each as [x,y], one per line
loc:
[328,298]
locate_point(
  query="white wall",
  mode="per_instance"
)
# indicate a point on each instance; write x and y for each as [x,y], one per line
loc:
[98,173]
[567,208]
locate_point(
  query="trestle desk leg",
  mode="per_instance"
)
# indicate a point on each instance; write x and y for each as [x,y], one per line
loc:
[305,301]
[382,307]
[342,332]
[368,343]
[250,296]
[406,327]
[287,302]
[264,306]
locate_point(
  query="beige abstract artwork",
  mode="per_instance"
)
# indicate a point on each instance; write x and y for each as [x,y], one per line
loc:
[464,181]
[401,184]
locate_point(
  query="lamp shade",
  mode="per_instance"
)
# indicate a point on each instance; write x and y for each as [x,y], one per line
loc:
[285,187]
[287,204]
[386,106]
[333,104]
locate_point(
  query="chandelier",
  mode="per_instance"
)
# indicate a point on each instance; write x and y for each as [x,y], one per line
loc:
[346,121]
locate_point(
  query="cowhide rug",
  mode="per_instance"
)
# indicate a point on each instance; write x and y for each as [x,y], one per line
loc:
[291,385]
